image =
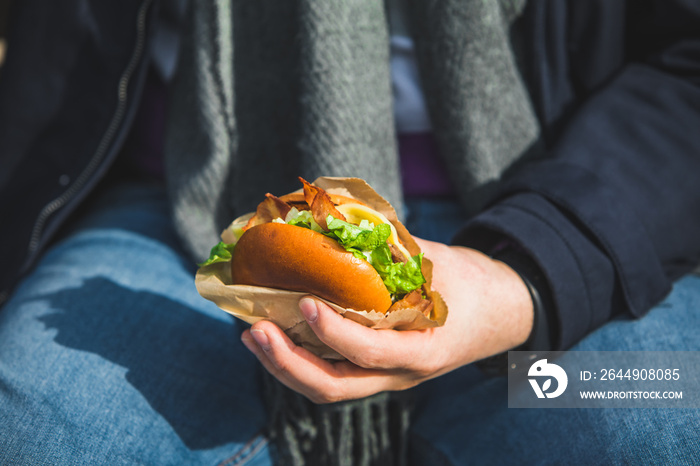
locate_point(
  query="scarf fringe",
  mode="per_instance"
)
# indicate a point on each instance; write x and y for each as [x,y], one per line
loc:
[367,432]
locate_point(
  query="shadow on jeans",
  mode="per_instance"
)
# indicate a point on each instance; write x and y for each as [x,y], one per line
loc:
[191,368]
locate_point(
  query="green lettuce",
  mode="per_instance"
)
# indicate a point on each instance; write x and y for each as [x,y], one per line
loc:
[303,219]
[357,238]
[399,278]
[369,242]
[222,252]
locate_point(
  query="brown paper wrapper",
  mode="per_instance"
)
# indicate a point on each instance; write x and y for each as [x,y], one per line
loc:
[254,303]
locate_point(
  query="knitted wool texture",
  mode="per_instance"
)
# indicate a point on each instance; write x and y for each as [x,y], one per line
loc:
[267,91]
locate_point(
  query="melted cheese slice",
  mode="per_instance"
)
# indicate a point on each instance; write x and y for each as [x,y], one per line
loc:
[355,213]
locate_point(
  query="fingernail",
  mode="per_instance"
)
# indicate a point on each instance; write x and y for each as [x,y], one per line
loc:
[309,309]
[248,341]
[260,338]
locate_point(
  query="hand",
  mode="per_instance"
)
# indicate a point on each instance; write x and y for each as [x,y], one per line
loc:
[490,311]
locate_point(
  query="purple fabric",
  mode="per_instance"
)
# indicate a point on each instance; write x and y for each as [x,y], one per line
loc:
[423,172]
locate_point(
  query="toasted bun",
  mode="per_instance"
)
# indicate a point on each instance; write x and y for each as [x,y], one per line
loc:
[289,257]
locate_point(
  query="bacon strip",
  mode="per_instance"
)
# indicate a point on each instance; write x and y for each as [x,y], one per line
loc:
[413,300]
[271,208]
[321,204]
[396,254]
[295,200]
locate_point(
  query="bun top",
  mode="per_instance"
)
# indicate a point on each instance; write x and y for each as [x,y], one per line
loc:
[277,255]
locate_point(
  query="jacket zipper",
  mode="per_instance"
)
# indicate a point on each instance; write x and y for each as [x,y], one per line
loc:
[102,148]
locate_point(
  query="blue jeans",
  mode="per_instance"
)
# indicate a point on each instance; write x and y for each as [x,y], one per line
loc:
[109,356]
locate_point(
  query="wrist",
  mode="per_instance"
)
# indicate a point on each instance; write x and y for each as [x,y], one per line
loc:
[541,335]
[517,309]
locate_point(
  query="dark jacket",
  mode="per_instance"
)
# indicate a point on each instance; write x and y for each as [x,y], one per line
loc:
[68,92]
[610,216]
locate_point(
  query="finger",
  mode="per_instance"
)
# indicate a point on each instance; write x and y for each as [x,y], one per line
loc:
[319,380]
[366,347]
[258,343]
[276,365]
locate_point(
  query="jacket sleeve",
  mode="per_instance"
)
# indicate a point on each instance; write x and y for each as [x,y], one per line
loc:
[612,215]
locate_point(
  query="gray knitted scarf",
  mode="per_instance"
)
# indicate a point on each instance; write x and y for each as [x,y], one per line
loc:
[267,91]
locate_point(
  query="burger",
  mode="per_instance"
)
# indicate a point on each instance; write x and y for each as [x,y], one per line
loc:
[333,246]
